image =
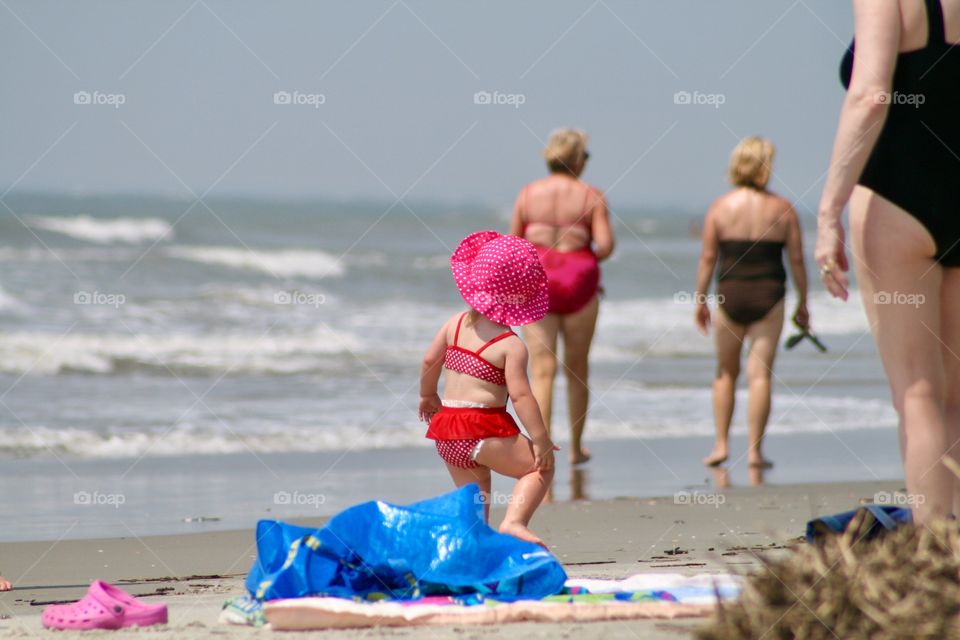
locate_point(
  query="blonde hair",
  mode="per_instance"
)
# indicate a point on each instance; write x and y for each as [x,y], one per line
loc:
[751,163]
[566,150]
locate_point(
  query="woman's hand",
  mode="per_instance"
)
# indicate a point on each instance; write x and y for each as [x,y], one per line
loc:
[701,316]
[831,256]
[801,317]
[429,405]
[543,454]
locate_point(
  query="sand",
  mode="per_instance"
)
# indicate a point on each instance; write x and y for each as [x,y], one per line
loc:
[194,573]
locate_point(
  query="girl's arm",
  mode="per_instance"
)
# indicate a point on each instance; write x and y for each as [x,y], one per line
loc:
[600,227]
[797,268]
[518,386]
[516,222]
[430,374]
[877,29]
[708,262]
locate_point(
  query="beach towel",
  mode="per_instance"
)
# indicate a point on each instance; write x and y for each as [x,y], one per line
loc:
[377,550]
[302,614]
[703,588]
[656,595]
[879,518]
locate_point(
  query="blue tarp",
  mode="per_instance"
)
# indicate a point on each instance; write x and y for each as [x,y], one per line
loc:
[880,518]
[379,550]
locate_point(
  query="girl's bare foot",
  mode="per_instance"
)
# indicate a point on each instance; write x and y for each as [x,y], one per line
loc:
[518,530]
[5,584]
[716,458]
[581,457]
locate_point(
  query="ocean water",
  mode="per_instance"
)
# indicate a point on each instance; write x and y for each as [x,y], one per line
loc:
[135,328]
[130,328]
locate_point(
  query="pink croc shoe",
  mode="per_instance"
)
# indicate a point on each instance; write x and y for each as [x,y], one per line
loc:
[104,607]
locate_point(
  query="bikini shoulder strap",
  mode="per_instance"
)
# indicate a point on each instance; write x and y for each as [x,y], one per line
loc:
[936,29]
[505,334]
[456,335]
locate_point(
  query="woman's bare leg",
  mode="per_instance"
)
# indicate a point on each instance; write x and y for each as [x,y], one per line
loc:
[728,336]
[480,475]
[5,584]
[950,334]
[513,457]
[893,256]
[764,336]
[578,329]
[541,339]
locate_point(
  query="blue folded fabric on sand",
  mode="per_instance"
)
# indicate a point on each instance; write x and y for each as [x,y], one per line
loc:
[881,518]
[377,550]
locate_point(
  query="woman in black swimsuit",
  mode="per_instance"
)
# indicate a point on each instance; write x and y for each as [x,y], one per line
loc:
[896,159]
[748,229]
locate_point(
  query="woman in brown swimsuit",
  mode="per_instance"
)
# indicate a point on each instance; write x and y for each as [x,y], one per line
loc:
[748,229]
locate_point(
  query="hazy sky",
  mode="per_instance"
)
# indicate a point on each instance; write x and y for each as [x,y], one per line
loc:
[397,82]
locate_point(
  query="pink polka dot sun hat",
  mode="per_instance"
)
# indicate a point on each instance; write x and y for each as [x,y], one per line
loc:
[501,277]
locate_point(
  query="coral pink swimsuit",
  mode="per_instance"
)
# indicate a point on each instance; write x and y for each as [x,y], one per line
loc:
[459,430]
[573,277]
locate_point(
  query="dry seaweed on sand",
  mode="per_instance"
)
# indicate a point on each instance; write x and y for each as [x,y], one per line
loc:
[905,584]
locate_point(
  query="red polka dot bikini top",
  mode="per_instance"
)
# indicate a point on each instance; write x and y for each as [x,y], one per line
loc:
[470,363]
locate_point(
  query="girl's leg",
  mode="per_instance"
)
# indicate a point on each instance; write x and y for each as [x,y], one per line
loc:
[480,475]
[513,457]
[728,336]
[764,338]
[578,329]
[901,286]
[541,339]
[5,584]
[950,334]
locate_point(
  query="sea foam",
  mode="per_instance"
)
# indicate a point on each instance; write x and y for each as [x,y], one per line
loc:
[105,230]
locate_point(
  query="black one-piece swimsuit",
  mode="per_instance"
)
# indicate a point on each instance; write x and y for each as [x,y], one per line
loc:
[916,162]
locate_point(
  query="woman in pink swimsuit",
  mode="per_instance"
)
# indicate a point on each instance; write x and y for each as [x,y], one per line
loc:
[568,222]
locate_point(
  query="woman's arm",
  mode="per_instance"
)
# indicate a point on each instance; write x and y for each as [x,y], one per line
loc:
[525,404]
[708,262]
[877,28]
[600,228]
[516,222]
[798,269]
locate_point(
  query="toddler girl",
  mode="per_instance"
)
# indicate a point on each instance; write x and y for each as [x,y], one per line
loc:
[504,284]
